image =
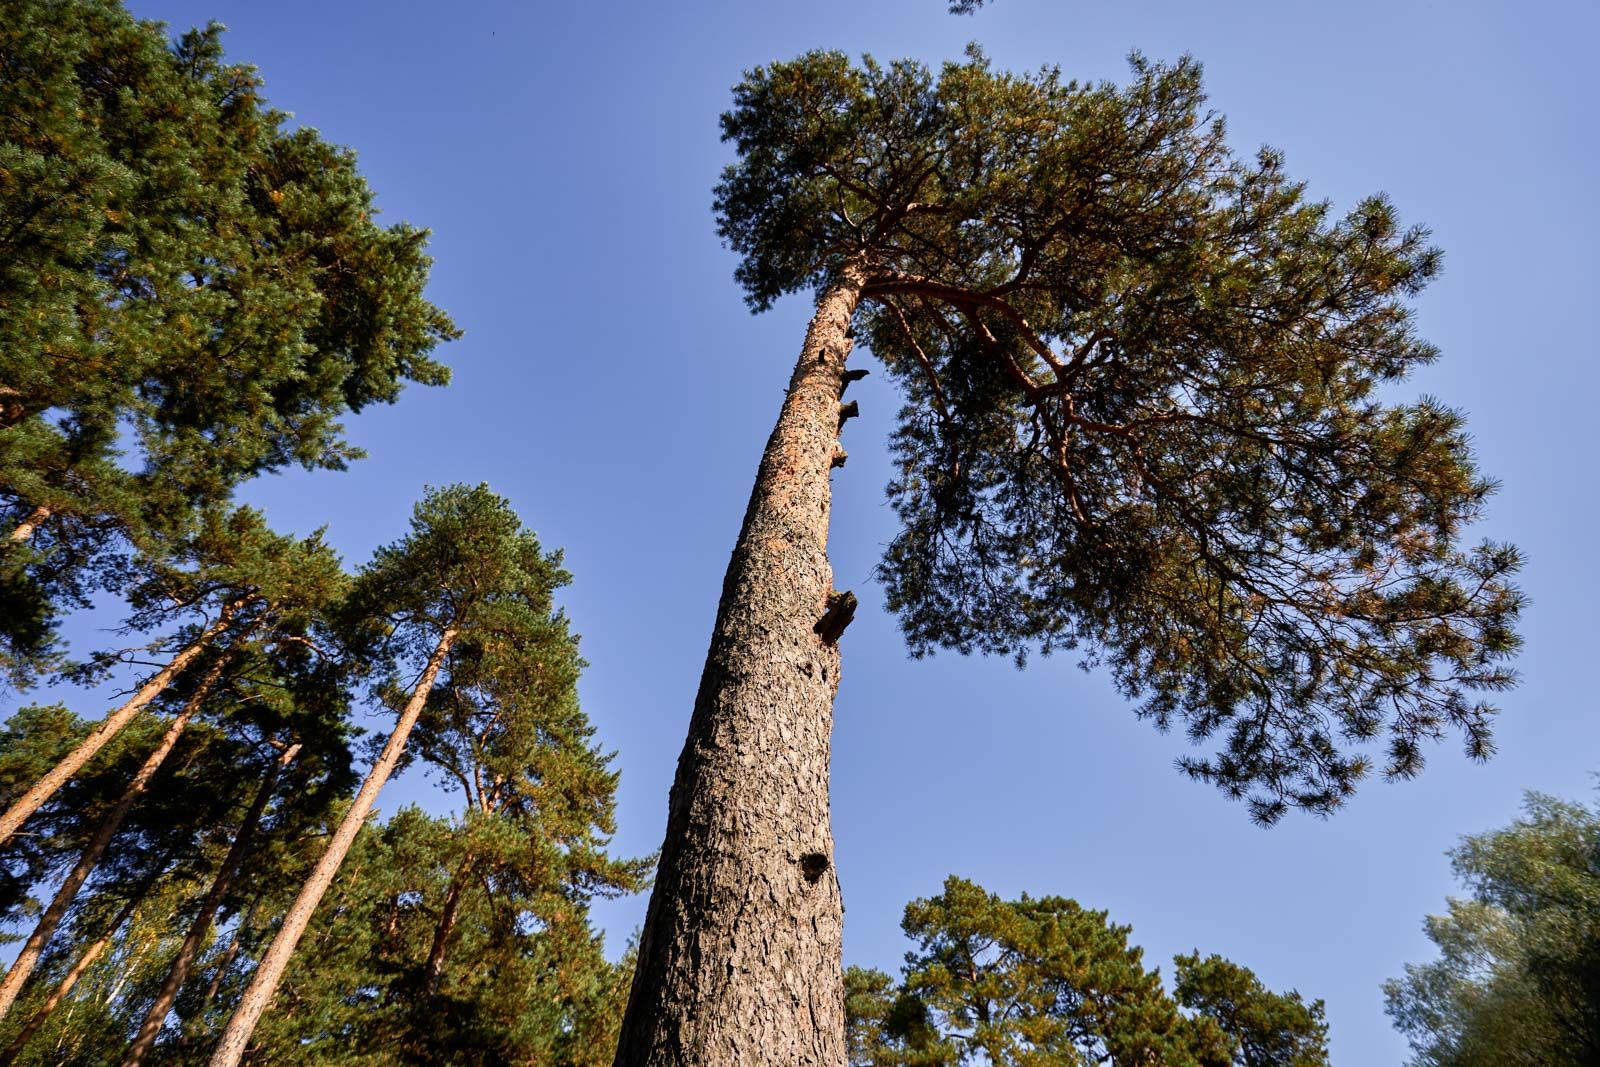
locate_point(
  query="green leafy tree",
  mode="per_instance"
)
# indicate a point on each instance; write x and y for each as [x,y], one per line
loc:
[297,781]
[1266,1029]
[467,585]
[129,850]
[88,1024]
[1145,416]
[33,740]
[76,967]
[182,273]
[887,1027]
[1517,980]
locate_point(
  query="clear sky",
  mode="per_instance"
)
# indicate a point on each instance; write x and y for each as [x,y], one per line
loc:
[612,384]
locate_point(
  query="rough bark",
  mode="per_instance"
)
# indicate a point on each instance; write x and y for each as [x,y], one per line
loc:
[739,962]
[448,913]
[111,725]
[85,961]
[34,947]
[264,983]
[35,519]
[201,926]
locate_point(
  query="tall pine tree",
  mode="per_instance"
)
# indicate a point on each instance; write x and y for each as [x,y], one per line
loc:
[191,292]
[468,585]
[1142,417]
[1046,981]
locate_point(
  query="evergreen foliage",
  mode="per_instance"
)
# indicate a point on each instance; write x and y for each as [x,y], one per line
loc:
[466,601]
[1147,408]
[1517,980]
[461,941]
[191,292]
[1266,1029]
[1046,982]
[525,980]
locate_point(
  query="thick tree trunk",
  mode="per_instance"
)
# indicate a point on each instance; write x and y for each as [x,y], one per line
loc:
[201,926]
[85,961]
[34,947]
[739,962]
[434,970]
[264,983]
[111,725]
[35,519]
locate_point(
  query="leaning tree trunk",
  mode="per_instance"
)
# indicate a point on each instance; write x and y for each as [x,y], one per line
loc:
[193,1022]
[449,912]
[111,725]
[201,926]
[264,983]
[34,947]
[85,961]
[739,962]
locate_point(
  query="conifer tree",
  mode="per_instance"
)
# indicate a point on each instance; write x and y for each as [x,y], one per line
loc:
[1012,982]
[524,980]
[67,892]
[1263,1028]
[1141,417]
[1045,981]
[239,578]
[86,958]
[181,270]
[33,740]
[538,798]
[467,581]
[200,926]
[201,814]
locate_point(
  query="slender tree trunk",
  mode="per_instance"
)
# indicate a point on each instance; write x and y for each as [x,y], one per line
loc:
[739,962]
[221,973]
[35,519]
[34,947]
[85,961]
[264,983]
[111,725]
[446,925]
[201,926]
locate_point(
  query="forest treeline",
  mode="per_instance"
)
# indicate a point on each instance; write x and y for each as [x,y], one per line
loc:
[195,293]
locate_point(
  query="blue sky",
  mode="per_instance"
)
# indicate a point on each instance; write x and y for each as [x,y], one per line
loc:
[612,384]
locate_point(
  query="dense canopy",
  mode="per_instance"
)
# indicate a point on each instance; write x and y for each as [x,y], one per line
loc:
[191,292]
[1148,406]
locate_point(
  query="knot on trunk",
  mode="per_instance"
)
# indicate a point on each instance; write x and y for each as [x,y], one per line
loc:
[842,353]
[850,376]
[839,456]
[848,412]
[841,610]
[813,865]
